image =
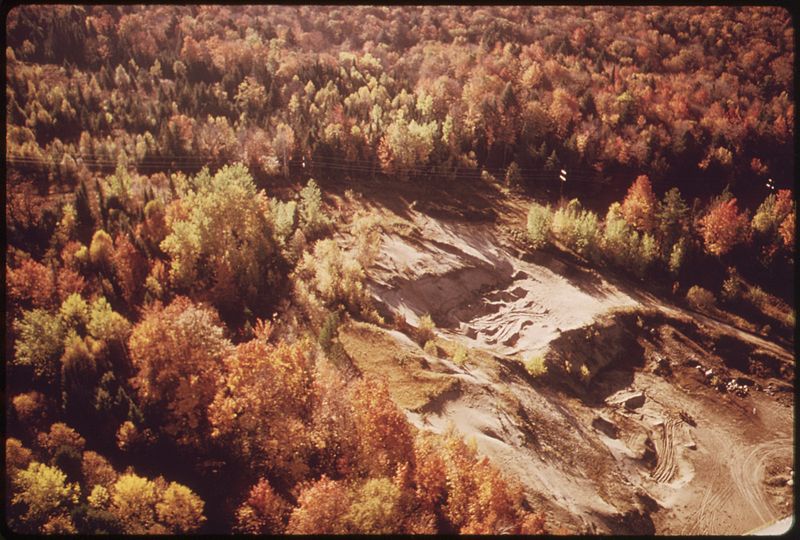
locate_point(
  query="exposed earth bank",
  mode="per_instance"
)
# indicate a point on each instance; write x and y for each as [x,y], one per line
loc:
[649,418]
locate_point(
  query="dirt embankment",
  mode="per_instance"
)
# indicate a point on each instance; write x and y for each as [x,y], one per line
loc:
[647,420]
[478,290]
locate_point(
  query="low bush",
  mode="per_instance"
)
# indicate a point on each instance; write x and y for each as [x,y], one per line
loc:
[585,373]
[700,298]
[540,219]
[328,331]
[425,329]
[460,355]
[430,348]
[732,287]
[536,366]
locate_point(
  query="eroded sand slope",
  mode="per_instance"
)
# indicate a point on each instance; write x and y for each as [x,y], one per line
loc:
[688,459]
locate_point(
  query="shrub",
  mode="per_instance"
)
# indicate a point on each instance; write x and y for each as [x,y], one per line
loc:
[700,298]
[460,355]
[430,347]
[425,329]
[732,286]
[536,365]
[367,231]
[585,373]
[328,331]
[513,175]
[759,298]
[540,219]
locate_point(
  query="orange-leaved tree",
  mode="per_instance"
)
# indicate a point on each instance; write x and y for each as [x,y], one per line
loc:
[262,405]
[177,352]
[321,508]
[639,206]
[263,512]
[787,230]
[382,430]
[723,227]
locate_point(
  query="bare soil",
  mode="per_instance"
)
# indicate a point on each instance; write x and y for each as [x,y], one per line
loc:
[650,419]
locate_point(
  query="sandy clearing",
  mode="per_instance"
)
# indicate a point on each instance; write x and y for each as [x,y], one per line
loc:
[705,479]
[480,292]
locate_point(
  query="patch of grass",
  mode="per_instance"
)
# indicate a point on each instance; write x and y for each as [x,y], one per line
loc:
[377,354]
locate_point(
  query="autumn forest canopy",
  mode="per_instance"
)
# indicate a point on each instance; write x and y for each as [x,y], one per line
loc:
[171,355]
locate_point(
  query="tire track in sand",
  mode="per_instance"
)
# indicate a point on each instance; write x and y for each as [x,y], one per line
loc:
[667,465]
[748,475]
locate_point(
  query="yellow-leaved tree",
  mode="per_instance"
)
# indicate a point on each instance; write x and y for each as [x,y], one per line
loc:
[219,242]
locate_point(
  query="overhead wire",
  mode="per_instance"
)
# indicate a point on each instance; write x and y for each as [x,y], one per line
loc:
[161,162]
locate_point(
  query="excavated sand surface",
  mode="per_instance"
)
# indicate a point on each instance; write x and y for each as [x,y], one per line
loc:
[689,460]
[479,292]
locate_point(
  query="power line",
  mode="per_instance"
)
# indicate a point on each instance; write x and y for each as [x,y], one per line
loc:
[161,162]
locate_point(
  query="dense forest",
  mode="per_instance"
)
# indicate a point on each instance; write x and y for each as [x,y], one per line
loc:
[172,362]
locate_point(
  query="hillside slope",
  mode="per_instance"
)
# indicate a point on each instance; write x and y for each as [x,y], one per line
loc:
[642,441]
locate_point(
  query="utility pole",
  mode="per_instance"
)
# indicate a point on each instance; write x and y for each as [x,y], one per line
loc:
[563,178]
